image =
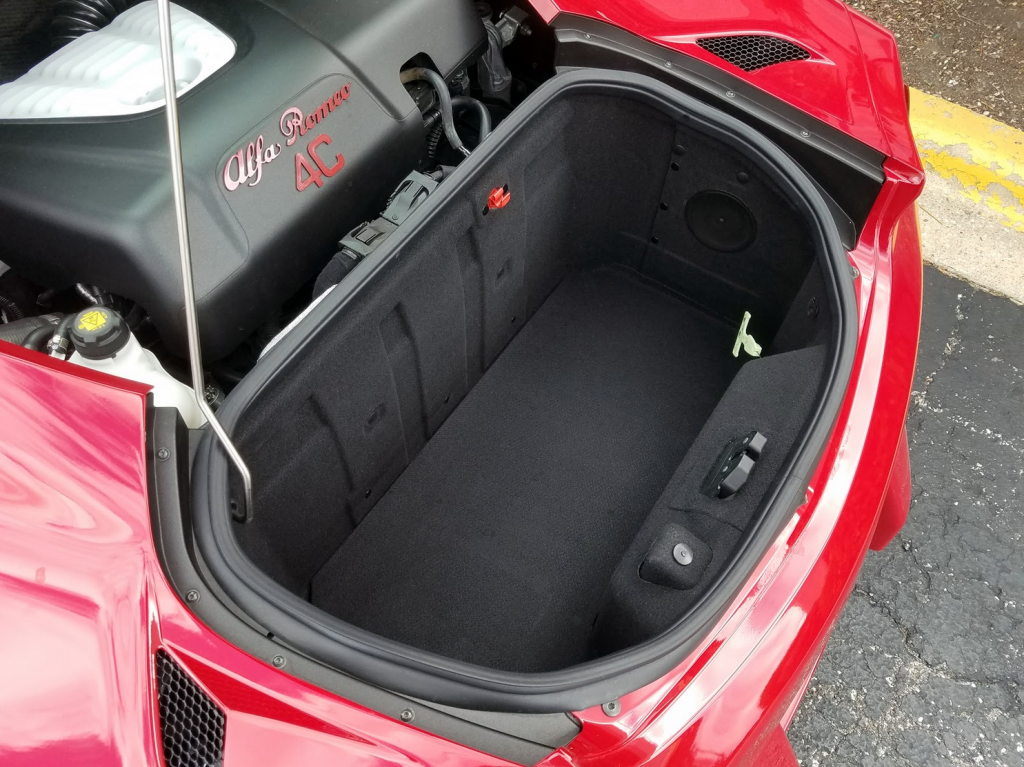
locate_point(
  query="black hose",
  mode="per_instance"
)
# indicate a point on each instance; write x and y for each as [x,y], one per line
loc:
[447,118]
[483,115]
[94,295]
[63,332]
[36,340]
[16,332]
[430,119]
[434,140]
[11,309]
[74,18]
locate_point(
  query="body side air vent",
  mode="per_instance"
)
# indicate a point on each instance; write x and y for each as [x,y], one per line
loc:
[752,52]
[191,725]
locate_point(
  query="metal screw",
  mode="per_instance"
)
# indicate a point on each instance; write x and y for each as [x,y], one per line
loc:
[407,715]
[586,35]
[682,554]
[163,454]
[855,272]
[192,596]
[278,661]
[612,708]
[730,94]
[668,64]
[805,134]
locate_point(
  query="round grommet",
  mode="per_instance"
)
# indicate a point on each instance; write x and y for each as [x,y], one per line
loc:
[682,554]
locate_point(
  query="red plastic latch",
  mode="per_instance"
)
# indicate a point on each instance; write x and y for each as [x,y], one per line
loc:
[498,198]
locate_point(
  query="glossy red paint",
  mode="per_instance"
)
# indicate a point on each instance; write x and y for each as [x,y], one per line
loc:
[850,81]
[893,514]
[84,604]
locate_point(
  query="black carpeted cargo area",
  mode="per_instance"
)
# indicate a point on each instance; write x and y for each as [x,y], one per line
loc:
[490,424]
[497,543]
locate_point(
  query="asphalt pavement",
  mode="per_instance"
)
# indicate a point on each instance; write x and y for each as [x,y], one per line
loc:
[926,665]
[969,52]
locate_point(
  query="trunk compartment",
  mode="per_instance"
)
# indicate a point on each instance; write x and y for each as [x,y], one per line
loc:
[496,544]
[474,459]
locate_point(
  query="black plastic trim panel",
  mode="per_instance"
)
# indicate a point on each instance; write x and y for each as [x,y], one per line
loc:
[421,674]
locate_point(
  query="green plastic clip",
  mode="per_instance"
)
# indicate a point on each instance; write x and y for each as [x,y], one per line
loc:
[746,341]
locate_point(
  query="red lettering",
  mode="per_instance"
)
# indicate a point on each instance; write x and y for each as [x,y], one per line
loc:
[315,175]
[246,165]
[339,161]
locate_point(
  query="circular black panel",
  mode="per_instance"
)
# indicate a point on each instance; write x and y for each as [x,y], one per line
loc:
[720,221]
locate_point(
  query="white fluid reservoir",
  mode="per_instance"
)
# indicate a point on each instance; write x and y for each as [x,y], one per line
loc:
[103,342]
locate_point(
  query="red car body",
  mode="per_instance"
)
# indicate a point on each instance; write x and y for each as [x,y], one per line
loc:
[85,604]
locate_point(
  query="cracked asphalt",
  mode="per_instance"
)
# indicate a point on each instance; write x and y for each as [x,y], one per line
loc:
[925,666]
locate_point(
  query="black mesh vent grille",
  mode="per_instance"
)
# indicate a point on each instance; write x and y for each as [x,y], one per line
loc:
[750,52]
[191,724]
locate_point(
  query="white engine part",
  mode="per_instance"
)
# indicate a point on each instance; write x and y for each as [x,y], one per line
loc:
[138,364]
[116,70]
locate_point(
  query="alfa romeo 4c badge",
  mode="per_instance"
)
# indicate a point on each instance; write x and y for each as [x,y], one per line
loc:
[246,165]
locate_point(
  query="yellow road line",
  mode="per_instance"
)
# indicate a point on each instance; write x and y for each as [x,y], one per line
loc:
[986,157]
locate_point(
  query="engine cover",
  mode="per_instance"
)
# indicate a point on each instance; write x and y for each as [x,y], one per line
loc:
[116,70]
[297,139]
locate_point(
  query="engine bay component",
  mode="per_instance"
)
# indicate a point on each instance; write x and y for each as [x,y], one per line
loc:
[103,342]
[99,334]
[280,161]
[115,70]
[495,77]
[18,331]
[445,99]
[363,240]
[74,18]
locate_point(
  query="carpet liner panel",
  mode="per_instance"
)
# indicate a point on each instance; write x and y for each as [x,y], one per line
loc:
[496,544]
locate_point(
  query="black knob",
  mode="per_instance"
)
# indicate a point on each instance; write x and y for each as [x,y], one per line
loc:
[99,333]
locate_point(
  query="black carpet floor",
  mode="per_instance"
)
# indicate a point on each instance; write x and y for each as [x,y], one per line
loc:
[496,544]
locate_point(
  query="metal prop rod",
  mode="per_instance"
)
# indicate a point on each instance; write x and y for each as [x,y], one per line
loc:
[178,181]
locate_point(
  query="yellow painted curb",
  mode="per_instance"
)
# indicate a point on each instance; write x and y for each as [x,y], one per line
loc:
[986,157]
